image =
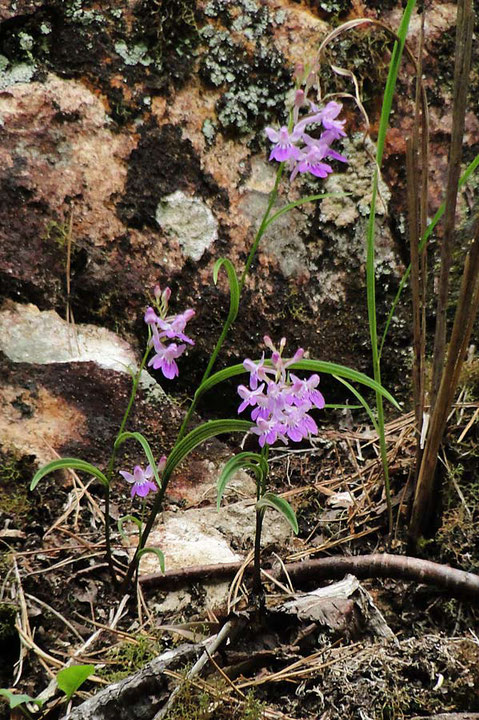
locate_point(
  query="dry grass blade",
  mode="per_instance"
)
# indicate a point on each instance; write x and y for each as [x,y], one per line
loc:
[211,646]
[76,496]
[468,426]
[303,668]
[236,583]
[224,675]
[57,614]
[466,311]
[465,26]
[22,623]
[115,617]
[413,182]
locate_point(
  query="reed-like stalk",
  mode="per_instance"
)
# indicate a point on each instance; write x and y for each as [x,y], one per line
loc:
[371,234]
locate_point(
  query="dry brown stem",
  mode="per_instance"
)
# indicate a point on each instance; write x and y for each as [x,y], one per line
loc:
[465,26]
[466,311]
[456,582]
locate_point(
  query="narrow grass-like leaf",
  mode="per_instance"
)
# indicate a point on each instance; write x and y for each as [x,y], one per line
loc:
[244,460]
[65,464]
[363,402]
[71,678]
[302,201]
[233,283]
[146,447]
[336,406]
[371,231]
[124,519]
[269,499]
[235,292]
[200,434]
[153,551]
[319,366]
[15,699]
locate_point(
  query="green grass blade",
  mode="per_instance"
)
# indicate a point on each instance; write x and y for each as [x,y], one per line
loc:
[370,237]
[146,447]
[200,434]
[320,366]
[122,520]
[233,283]
[68,464]
[244,460]
[269,499]
[471,168]
[153,551]
[363,402]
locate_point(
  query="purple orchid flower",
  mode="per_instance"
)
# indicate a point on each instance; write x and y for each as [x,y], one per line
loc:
[173,327]
[282,402]
[284,147]
[312,162]
[329,115]
[167,327]
[303,152]
[141,480]
[165,356]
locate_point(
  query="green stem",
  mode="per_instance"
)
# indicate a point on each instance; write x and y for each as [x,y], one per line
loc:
[141,542]
[264,224]
[111,465]
[257,590]
[370,265]
[229,321]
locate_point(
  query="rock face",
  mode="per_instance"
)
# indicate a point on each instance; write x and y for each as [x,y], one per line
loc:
[132,137]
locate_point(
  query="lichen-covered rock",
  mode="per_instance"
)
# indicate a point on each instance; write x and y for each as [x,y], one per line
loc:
[132,133]
[189,221]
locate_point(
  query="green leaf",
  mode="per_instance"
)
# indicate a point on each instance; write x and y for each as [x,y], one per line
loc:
[269,499]
[71,678]
[15,699]
[244,460]
[68,463]
[233,283]
[319,366]
[235,293]
[200,434]
[124,519]
[301,201]
[342,406]
[154,551]
[361,400]
[146,447]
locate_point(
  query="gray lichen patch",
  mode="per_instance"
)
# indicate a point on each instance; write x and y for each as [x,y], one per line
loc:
[137,54]
[282,241]
[14,74]
[357,181]
[242,59]
[190,221]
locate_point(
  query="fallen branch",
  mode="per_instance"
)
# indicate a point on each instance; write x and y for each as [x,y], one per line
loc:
[448,716]
[456,582]
[210,648]
[138,696]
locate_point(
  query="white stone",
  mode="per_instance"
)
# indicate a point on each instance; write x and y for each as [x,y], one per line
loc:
[189,221]
[42,337]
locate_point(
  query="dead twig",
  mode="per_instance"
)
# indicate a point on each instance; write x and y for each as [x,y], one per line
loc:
[457,583]
[211,647]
